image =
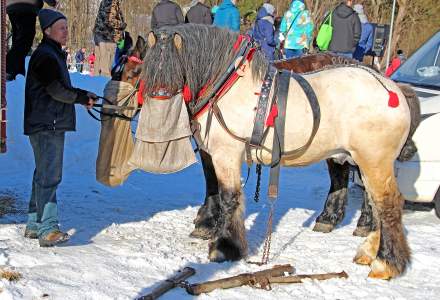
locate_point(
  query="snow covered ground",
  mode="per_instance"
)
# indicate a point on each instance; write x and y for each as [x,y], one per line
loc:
[128,239]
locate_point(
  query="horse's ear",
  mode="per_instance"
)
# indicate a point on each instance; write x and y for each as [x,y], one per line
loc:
[151,39]
[141,47]
[178,41]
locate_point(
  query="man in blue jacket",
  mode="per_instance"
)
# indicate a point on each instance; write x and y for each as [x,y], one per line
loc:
[228,16]
[48,114]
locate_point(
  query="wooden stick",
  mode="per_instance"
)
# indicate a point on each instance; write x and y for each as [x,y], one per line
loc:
[300,278]
[169,284]
[260,277]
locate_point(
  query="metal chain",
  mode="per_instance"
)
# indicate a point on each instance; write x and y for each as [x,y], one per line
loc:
[268,240]
[258,186]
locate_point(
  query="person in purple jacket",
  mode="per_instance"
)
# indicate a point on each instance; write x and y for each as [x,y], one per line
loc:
[263,31]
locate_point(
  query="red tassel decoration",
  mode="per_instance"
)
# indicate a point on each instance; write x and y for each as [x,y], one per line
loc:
[187,95]
[140,94]
[270,121]
[393,99]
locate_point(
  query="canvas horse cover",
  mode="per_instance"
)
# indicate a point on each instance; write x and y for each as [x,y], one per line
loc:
[162,142]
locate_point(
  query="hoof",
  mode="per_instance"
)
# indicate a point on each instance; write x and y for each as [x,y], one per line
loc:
[323,227]
[363,260]
[381,270]
[202,233]
[362,231]
[224,250]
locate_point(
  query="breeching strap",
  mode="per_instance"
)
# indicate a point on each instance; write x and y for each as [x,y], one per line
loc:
[3,78]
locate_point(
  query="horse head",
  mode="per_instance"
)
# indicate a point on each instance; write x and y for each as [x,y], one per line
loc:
[129,67]
[163,69]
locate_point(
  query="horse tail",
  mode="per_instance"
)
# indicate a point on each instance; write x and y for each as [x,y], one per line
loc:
[409,148]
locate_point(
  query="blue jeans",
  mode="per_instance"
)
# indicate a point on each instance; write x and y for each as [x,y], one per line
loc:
[291,53]
[48,147]
[345,54]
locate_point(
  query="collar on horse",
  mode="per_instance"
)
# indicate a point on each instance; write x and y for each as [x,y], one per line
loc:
[244,48]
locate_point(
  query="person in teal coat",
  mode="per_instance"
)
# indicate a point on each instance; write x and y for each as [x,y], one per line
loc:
[296,29]
[227,16]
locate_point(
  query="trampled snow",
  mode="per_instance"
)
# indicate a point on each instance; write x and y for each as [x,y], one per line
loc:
[130,238]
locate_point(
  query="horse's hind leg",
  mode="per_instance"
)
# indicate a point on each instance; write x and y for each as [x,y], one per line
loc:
[393,254]
[208,212]
[334,207]
[366,222]
[229,237]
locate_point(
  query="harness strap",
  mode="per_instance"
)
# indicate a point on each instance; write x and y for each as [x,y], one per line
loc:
[278,137]
[263,102]
[224,82]
[316,111]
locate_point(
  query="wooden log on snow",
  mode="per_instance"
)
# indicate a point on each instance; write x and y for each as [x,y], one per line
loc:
[300,278]
[259,278]
[169,284]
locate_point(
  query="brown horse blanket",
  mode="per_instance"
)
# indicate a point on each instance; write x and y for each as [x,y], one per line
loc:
[115,141]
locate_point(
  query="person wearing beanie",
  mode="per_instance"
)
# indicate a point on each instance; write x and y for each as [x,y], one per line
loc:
[22,15]
[263,31]
[48,114]
[366,41]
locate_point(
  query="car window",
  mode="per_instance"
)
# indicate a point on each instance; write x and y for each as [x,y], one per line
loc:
[423,67]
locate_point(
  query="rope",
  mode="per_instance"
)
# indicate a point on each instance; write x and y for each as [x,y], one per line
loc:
[3,78]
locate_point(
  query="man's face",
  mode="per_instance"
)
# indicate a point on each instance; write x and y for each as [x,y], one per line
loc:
[58,31]
[349,3]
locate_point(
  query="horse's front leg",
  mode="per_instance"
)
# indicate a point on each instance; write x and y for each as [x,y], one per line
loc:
[208,213]
[229,237]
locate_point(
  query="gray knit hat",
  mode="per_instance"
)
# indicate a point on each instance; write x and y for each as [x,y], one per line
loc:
[49,16]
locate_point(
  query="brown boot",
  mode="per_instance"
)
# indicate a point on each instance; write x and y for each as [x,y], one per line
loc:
[30,233]
[54,238]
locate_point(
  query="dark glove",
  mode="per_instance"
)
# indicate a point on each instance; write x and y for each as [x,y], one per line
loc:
[83,96]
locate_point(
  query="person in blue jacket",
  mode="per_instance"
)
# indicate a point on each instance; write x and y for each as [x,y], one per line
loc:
[263,31]
[227,16]
[366,42]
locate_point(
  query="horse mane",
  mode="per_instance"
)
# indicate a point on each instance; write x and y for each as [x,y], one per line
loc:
[205,55]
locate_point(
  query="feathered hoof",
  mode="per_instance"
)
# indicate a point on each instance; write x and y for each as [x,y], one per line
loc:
[323,227]
[363,260]
[381,270]
[362,231]
[202,233]
[224,250]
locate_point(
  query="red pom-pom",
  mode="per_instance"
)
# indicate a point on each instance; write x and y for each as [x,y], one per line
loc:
[187,95]
[270,121]
[393,99]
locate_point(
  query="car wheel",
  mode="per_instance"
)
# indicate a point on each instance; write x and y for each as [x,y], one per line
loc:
[437,202]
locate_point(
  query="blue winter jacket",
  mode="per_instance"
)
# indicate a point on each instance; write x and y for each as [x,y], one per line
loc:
[365,43]
[227,16]
[264,33]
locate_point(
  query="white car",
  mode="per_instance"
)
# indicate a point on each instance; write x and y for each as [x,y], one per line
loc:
[419,178]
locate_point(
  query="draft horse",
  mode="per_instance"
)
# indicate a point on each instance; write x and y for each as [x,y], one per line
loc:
[357,123]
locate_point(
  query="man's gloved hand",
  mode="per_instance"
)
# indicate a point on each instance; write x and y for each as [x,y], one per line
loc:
[86,98]
[92,95]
